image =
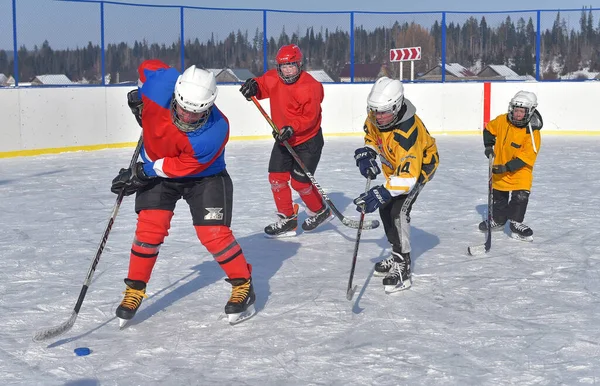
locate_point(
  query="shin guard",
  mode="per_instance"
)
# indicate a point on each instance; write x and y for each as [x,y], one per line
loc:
[221,243]
[309,195]
[152,228]
[282,194]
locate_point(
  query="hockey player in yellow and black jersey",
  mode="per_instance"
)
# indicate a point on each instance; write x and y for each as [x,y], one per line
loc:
[514,140]
[409,158]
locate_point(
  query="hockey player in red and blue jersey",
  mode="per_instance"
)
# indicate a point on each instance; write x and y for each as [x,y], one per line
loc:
[183,157]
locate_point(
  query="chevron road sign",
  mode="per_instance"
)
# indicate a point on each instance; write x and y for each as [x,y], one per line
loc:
[405,54]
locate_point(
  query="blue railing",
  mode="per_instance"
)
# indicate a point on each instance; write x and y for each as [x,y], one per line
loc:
[106,40]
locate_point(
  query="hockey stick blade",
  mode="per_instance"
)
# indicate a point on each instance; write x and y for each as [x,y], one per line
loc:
[476,250]
[355,223]
[55,331]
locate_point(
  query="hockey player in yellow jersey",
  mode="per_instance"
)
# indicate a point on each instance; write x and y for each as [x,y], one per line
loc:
[409,158]
[514,140]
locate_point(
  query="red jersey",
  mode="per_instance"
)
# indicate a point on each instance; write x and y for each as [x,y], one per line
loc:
[297,104]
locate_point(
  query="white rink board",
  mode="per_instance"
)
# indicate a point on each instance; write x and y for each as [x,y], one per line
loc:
[43,118]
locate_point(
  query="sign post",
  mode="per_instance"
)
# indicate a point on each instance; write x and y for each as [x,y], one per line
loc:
[403,55]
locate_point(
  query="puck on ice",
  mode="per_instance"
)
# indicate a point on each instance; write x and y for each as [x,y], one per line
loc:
[82,351]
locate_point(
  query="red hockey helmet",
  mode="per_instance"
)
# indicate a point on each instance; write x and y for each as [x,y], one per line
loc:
[289,63]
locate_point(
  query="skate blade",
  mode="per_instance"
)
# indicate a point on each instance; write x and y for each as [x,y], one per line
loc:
[281,235]
[123,323]
[521,238]
[379,274]
[389,289]
[240,317]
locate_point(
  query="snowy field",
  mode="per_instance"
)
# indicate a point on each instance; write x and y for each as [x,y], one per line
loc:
[524,314]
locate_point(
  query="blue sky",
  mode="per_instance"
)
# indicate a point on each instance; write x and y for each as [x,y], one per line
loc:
[70,24]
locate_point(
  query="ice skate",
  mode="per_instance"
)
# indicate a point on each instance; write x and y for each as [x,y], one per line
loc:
[318,219]
[284,227]
[383,267]
[495,226]
[241,303]
[399,275]
[520,231]
[134,293]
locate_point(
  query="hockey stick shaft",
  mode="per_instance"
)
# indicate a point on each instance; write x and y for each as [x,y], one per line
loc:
[487,245]
[350,291]
[55,331]
[346,221]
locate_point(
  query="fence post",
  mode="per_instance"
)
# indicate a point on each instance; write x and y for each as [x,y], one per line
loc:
[351,47]
[182,33]
[443,47]
[102,44]
[15,49]
[265,42]
[538,42]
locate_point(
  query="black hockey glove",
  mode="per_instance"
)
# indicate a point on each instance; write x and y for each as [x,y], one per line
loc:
[135,104]
[249,88]
[130,180]
[366,161]
[499,169]
[489,151]
[284,134]
[372,199]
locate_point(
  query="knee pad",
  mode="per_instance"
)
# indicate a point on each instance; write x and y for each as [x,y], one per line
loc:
[520,196]
[303,188]
[153,225]
[279,180]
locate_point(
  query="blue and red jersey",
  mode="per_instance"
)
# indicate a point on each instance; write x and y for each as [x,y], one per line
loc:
[169,152]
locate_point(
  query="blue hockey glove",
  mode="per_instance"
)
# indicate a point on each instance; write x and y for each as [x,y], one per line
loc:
[372,199]
[366,161]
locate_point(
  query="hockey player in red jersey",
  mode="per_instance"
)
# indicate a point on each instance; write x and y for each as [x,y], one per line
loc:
[295,99]
[183,157]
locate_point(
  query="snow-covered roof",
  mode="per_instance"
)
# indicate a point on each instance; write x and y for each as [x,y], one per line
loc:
[53,79]
[458,70]
[3,79]
[503,70]
[321,76]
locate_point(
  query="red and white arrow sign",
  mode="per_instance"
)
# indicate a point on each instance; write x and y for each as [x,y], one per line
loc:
[404,54]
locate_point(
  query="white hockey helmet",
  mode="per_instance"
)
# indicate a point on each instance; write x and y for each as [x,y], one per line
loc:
[384,102]
[526,100]
[195,94]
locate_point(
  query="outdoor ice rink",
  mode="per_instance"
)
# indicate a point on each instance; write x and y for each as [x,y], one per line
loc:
[524,314]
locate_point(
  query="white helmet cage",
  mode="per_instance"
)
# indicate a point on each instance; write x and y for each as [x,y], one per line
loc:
[526,100]
[195,92]
[386,96]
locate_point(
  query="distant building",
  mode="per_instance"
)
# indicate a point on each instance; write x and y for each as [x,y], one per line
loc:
[501,72]
[51,79]
[3,80]
[453,71]
[364,72]
[321,76]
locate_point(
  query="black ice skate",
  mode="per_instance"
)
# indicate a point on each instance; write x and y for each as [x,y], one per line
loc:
[383,267]
[134,293]
[520,231]
[399,275]
[320,218]
[241,303]
[284,227]
[495,226]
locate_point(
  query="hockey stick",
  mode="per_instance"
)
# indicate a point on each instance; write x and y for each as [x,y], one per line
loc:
[350,291]
[64,327]
[345,220]
[485,247]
